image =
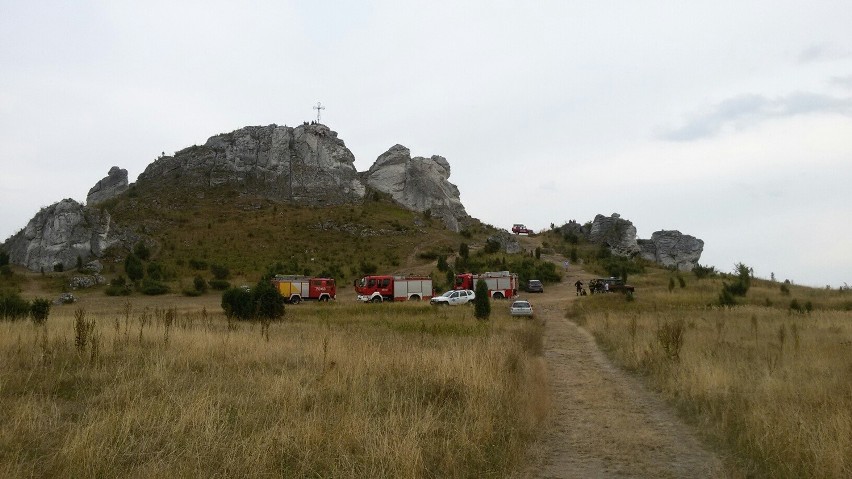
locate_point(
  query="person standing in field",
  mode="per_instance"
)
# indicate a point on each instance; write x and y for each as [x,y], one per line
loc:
[579,285]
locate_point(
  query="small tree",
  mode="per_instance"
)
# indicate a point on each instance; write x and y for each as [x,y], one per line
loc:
[39,310]
[267,302]
[482,303]
[141,251]
[133,268]
[4,258]
[237,303]
[199,284]
[538,252]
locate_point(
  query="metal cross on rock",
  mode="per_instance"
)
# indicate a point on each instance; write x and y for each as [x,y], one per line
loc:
[318,108]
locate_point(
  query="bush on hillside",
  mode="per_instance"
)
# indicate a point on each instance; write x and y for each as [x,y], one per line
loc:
[219,284]
[237,303]
[153,288]
[133,268]
[702,272]
[39,310]
[267,303]
[13,307]
[4,258]
[141,251]
[220,272]
[482,303]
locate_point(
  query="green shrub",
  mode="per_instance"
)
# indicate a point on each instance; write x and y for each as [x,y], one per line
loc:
[58,267]
[199,284]
[4,258]
[198,264]
[13,307]
[153,288]
[117,290]
[220,272]
[702,272]
[482,303]
[267,302]
[39,310]
[237,303]
[155,271]
[141,251]
[219,284]
[133,268]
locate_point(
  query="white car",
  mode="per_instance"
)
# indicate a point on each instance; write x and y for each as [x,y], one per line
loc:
[521,308]
[454,297]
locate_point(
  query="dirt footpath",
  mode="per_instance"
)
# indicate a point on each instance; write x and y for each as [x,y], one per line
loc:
[603,422]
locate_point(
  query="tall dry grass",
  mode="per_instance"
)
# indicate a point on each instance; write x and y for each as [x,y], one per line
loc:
[772,386]
[397,390]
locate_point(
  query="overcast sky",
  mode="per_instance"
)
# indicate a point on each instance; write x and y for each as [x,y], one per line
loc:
[728,120]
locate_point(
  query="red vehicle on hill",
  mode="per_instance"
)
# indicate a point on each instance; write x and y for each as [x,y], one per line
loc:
[377,289]
[296,289]
[518,229]
[501,284]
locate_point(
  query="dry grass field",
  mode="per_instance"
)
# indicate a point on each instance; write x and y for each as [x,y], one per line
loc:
[770,385]
[166,387]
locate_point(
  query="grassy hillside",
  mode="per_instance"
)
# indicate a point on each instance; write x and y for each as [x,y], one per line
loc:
[767,378]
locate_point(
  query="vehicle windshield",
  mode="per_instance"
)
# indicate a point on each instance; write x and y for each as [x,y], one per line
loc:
[448,293]
[520,304]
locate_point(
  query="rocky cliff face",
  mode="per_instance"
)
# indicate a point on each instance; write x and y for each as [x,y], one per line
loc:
[668,248]
[418,183]
[672,249]
[59,234]
[307,164]
[108,188]
[617,233]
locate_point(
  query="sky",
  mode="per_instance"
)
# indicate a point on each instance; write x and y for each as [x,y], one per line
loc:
[730,121]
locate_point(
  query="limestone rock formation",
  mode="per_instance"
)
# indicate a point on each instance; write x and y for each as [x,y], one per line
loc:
[59,234]
[307,164]
[508,243]
[113,185]
[418,183]
[672,249]
[617,233]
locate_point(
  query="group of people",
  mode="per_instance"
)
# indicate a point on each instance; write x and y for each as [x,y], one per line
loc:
[595,286]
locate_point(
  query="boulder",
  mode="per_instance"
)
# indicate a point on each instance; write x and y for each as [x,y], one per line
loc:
[617,233]
[672,249]
[418,183]
[86,281]
[508,243]
[59,234]
[113,185]
[307,165]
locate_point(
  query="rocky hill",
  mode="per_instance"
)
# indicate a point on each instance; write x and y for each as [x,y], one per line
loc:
[307,165]
[671,249]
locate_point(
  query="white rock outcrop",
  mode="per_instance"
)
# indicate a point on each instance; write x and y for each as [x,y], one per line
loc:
[59,234]
[672,249]
[307,164]
[113,185]
[418,183]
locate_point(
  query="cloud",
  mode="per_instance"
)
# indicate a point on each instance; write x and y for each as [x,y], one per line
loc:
[822,52]
[842,81]
[747,110]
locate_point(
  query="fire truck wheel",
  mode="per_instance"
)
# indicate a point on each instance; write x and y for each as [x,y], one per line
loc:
[414,297]
[376,300]
[295,300]
[324,299]
[498,296]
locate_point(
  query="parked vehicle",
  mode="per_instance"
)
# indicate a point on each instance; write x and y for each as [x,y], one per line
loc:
[521,308]
[609,285]
[296,289]
[501,284]
[535,286]
[454,297]
[518,229]
[376,289]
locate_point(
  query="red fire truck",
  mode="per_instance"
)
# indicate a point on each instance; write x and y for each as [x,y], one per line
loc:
[501,284]
[296,289]
[375,289]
